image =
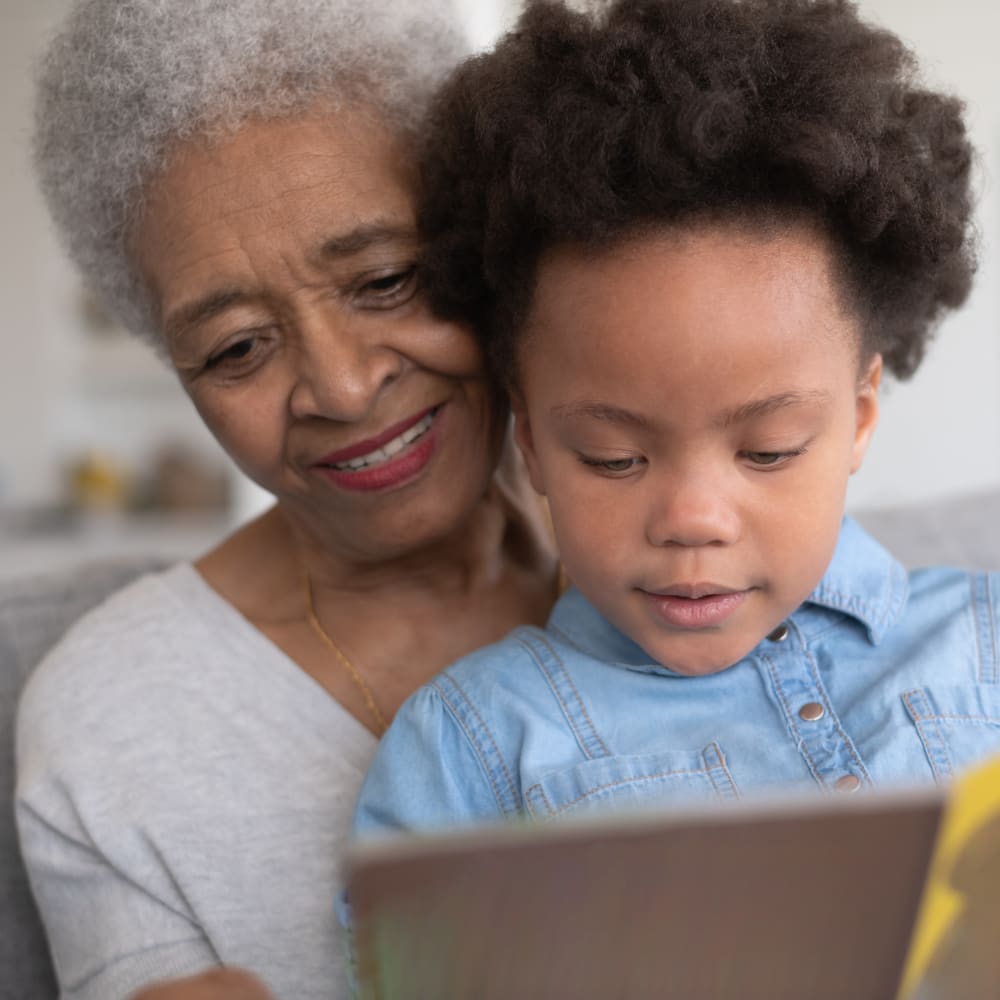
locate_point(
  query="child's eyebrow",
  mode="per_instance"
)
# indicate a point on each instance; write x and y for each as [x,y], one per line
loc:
[753,410]
[758,408]
[600,411]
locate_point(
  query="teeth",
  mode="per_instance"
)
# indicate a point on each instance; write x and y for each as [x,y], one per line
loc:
[417,429]
[390,448]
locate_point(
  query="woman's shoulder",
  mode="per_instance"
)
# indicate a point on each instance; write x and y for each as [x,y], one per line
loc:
[129,661]
[131,621]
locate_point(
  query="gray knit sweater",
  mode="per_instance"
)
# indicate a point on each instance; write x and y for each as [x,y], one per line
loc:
[184,793]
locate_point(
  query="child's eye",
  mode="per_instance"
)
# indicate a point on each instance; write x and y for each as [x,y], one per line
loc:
[770,459]
[612,466]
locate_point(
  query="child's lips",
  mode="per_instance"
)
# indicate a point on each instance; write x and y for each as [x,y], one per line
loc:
[696,606]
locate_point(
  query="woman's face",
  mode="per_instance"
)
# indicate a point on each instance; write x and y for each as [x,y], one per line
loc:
[283,263]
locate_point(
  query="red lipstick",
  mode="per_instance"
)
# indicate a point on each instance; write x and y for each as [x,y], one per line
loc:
[373,443]
[393,471]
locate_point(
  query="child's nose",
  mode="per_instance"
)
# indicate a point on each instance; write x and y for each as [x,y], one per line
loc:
[693,510]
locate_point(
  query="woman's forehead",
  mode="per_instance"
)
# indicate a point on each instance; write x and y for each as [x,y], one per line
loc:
[304,191]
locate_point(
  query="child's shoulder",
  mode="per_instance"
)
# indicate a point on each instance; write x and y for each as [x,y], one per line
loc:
[506,665]
[953,587]
[950,610]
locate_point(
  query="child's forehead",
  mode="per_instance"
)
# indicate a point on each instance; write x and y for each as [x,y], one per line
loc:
[706,269]
[793,232]
[707,315]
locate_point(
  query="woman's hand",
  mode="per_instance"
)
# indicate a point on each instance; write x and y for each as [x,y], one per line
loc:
[219,984]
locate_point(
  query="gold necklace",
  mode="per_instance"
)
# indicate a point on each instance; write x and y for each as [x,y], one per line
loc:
[359,682]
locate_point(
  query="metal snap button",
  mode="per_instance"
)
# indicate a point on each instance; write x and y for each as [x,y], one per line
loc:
[780,634]
[812,711]
[848,783]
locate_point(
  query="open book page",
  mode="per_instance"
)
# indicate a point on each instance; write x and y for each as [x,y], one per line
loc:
[955,953]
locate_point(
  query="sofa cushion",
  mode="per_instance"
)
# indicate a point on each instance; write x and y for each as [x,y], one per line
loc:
[961,531]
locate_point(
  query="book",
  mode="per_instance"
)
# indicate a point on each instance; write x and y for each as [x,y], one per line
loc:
[808,897]
[955,953]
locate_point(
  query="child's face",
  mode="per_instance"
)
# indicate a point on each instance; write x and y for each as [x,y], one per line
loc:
[692,405]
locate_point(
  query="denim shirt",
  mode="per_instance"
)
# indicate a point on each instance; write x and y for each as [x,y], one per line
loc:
[879,678]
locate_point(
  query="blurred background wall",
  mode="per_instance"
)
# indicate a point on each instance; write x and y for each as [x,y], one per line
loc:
[86,414]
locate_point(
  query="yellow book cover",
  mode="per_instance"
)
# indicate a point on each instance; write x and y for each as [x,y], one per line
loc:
[955,954]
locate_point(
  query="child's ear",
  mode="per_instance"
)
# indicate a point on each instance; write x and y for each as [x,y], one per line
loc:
[526,441]
[866,410]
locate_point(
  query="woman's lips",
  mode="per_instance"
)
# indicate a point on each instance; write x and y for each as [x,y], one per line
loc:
[696,612]
[392,461]
[372,444]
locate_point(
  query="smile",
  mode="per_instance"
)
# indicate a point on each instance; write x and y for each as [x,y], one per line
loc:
[389,460]
[389,449]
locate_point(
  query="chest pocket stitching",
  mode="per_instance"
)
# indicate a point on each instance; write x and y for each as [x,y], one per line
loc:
[568,696]
[537,792]
[982,611]
[712,756]
[982,720]
[935,745]
[482,741]
[716,761]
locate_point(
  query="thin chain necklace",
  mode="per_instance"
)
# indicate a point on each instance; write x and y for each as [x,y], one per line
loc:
[359,682]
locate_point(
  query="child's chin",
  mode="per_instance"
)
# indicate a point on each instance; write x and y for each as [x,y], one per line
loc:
[700,669]
[700,662]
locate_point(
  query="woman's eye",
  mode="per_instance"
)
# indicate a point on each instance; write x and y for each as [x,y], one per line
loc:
[388,290]
[614,466]
[233,354]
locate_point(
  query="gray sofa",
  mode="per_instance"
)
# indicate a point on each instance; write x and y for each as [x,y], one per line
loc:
[34,613]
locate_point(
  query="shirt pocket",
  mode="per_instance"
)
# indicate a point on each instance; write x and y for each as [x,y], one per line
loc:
[958,726]
[631,782]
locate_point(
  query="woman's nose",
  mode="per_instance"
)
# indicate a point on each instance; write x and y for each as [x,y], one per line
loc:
[341,369]
[693,509]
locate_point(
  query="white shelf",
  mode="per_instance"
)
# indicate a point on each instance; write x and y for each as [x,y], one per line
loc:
[110,537]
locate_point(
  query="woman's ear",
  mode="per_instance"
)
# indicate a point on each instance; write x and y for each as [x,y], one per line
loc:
[526,441]
[866,411]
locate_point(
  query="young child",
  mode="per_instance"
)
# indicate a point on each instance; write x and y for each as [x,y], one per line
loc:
[694,233]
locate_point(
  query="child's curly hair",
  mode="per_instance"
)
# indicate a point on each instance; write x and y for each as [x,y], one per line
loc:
[588,127]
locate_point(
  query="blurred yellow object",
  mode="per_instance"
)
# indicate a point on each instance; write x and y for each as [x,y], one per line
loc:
[954,955]
[98,483]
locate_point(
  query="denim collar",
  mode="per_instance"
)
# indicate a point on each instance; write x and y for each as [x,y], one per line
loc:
[863,581]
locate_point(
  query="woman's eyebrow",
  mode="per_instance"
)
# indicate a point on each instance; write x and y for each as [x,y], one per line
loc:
[758,408]
[364,237]
[185,317]
[344,245]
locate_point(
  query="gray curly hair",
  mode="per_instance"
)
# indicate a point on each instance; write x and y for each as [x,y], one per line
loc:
[125,80]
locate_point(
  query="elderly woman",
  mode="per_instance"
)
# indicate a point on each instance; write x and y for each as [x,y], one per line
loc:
[235,180]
